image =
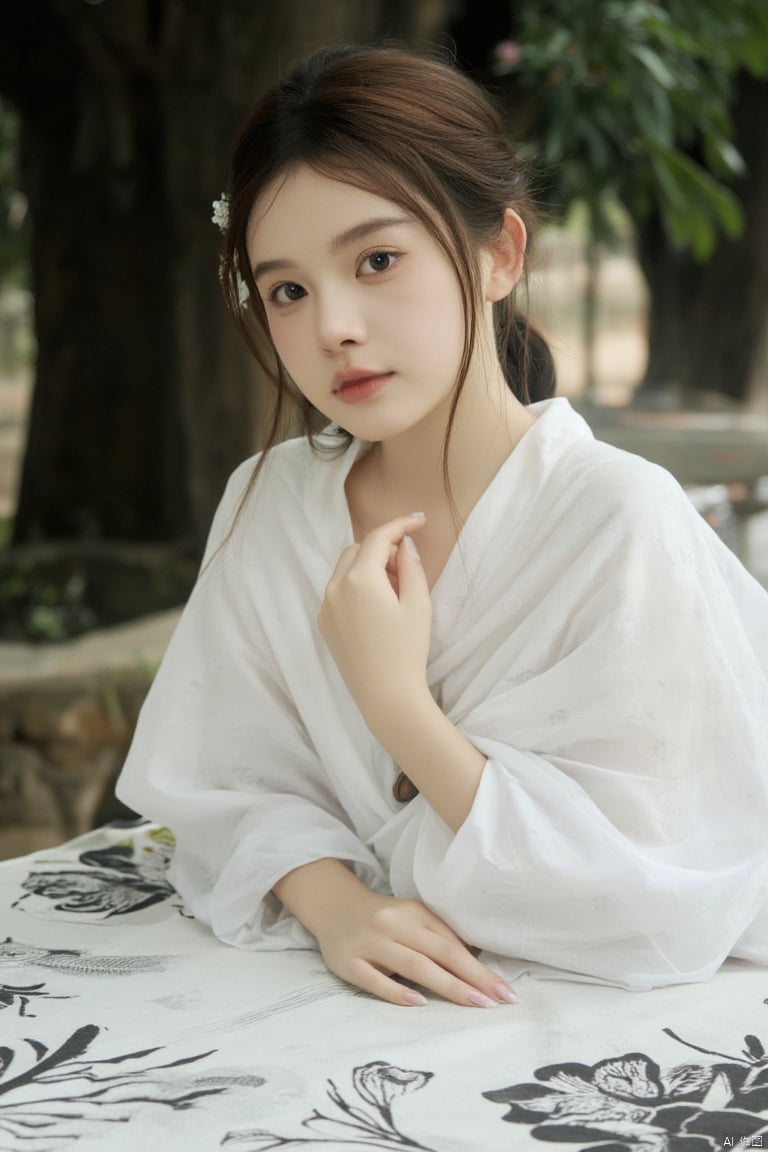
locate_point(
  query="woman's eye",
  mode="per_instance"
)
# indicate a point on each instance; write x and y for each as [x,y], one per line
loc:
[286,293]
[378,262]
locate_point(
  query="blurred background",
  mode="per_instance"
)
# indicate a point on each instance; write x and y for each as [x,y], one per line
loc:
[126,399]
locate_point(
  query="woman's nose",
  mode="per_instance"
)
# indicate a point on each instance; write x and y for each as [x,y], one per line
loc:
[340,320]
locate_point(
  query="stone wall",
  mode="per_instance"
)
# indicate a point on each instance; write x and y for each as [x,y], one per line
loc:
[67,715]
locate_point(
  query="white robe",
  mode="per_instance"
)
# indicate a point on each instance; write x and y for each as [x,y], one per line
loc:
[591,636]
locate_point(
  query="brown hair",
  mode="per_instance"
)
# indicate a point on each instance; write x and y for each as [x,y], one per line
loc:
[418,133]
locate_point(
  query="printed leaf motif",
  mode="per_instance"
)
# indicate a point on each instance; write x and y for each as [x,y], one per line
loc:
[39,1048]
[22,995]
[254,1140]
[64,1086]
[754,1048]
[78,962]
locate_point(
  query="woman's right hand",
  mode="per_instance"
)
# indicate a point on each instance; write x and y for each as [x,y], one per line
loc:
[372,939]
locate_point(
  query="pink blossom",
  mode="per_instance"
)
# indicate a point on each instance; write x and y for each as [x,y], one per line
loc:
[508,52]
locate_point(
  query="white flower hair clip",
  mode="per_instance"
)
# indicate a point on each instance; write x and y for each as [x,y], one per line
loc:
[220,217]
[221,212]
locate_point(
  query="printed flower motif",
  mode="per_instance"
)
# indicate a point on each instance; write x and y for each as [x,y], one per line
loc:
[377,1083]
[628,1104]
[623,1089]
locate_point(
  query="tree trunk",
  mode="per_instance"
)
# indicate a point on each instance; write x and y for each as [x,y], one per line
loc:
[102,444]
[124,268]
[144,400]
[708,322]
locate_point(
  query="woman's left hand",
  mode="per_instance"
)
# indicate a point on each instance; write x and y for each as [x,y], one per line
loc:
[376,619]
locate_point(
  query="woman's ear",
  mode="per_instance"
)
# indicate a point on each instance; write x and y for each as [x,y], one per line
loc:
[504,262]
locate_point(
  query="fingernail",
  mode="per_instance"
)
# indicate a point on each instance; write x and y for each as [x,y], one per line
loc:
[416,516]
[481,1001]
[414,998]
[503,992]
[410,547]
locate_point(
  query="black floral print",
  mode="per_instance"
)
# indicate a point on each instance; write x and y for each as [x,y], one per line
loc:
[112,881]
[629,1103]
[377,1084]
[49,1096]
[20,996]
[76,961]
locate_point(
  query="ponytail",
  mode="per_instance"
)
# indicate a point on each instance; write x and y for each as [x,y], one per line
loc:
[525,357]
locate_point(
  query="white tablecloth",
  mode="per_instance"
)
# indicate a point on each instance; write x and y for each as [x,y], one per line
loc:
[125,1025]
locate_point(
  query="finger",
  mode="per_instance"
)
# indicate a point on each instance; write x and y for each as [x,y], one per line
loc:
[446,978]
[433,923]
[455,957]
[392,560]
[375,546]
[411,577]
[345,561]
[371,979]
[392,570]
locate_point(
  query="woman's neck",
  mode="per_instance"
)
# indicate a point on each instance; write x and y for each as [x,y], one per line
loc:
[489,422]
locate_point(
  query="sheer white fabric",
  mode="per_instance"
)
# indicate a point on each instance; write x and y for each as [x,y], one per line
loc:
[591,636]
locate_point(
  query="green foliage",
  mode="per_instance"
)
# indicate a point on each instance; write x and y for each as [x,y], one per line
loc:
[631,101]
[37,609]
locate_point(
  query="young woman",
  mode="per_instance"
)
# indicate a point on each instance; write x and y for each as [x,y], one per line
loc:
[530,717]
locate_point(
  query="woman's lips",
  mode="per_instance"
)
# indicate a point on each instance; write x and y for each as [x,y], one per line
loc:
[352,389]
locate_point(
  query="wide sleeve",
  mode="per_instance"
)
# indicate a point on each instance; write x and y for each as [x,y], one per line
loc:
[619,830]
[221,756]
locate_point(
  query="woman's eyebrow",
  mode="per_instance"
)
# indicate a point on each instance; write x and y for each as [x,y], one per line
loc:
[360,231]
[348,236]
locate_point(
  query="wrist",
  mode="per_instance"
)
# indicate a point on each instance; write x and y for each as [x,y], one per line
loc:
[318,892]
[401,711]
[437,758]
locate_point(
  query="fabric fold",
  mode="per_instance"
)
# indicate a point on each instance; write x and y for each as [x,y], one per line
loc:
[591,636]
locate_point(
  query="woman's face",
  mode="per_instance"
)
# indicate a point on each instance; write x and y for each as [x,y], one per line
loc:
[363,305]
